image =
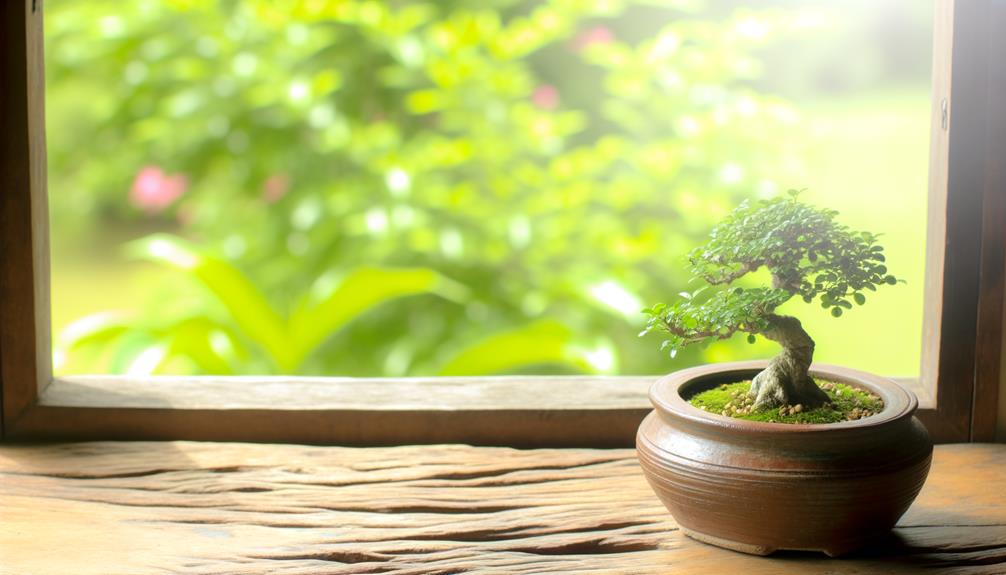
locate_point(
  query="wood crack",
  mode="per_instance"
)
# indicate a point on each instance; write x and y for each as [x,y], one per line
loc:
[345,557]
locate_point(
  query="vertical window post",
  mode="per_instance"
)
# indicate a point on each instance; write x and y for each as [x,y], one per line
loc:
[25,356]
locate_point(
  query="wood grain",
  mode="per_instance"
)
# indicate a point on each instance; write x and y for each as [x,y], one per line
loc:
[138,508]
[346,393]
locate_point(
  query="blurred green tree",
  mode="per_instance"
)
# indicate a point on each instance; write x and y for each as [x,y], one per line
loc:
[540,171]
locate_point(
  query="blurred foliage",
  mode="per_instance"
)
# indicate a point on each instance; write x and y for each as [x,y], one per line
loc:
[404,187]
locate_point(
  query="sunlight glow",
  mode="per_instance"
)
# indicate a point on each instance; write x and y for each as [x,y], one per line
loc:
[615,296]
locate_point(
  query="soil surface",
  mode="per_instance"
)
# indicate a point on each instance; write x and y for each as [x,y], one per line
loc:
[847,403]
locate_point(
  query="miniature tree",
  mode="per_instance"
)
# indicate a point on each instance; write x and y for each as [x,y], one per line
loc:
[808,255]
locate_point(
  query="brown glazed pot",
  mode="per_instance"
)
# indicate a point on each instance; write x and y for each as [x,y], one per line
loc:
[760,487]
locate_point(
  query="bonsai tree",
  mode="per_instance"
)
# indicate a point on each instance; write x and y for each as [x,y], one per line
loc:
[807,255]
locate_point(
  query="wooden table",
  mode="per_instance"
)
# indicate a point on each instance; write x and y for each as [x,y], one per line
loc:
[180,507]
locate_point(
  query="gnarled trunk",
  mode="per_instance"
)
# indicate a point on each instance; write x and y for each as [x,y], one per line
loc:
[786,380]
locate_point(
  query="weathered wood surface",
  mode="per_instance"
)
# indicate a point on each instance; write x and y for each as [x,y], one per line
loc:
[137,508]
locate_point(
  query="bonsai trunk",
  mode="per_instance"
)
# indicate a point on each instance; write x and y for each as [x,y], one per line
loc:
[786,380]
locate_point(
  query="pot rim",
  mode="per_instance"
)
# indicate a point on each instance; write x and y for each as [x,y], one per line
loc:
[665,395]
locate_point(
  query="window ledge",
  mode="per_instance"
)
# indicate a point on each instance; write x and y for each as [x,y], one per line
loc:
[342,393]
[516,411]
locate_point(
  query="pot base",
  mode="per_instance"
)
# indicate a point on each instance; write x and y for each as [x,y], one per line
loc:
[761,550]
[728,544]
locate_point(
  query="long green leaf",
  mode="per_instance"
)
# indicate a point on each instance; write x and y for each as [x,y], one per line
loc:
[541,342]
[361,290]
[245,304]
[192,338]
[138,352]
[94,329]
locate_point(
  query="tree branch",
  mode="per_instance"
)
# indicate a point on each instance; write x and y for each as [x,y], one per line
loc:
[689,336]
[728,277]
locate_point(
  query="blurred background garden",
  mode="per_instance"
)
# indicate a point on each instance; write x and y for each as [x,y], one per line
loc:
[408,187]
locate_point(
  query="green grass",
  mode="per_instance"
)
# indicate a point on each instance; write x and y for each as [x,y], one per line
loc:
[847,402]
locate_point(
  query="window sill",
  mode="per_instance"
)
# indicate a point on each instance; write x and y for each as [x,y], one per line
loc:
[515,411]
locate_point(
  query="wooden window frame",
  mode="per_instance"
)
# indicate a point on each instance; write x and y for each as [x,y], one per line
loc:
[962,339]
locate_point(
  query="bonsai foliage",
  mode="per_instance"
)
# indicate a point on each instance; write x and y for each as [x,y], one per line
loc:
[808,254]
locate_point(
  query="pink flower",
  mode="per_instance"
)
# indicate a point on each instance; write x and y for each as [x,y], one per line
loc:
[275,187]
[591,36]
[153,190]
[546,97]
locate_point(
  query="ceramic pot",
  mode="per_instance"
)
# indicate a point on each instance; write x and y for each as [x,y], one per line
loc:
[760,487]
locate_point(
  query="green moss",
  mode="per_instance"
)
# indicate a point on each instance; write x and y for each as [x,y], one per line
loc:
[847,403]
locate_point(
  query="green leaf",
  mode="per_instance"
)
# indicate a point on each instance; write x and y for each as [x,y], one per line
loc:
[193,338]
[360,291]
[751,338]
[244,303]
[860,298]
[138,353]
[95,329]
[836,311]
[541,342]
